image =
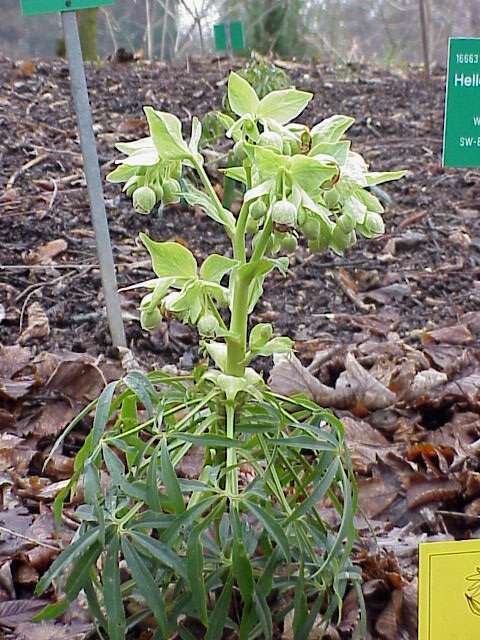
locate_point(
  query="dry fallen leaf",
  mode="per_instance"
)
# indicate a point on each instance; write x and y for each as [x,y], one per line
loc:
[38,324]
[456,334]
[355,387]
[45,253]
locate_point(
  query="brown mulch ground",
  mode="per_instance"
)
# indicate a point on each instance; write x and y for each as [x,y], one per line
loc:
[414,446]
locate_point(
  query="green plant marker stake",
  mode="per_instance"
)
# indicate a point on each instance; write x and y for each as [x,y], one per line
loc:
[237,38]
[229,37]
[461,143]
[81,101]
[36,7]
[220,37]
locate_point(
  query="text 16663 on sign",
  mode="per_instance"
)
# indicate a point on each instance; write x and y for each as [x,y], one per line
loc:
[462,109]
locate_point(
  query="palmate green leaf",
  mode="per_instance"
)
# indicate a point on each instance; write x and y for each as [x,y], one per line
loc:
[304,442]
[284,105]
[197,198]
[262,189]
[378,177]
[153,494]
[129,148]
[303,633]
[264,615]
[207,441]
[300,600]
[235,173]
[218,617]
[141,386]
[112,595]
[187,518]
[166,132]
[271,524]
[195,575]
[146,585]
[310,173]
[248,621]
[241,95]
[280,344]
[121,174]
[216,266]
[331,129]
[265,582]
[159,552]
[170,481]
[72,552]
[102,412]
[242,571]
[320,488]
[269,164]
[347,527]
[93,493]
[78,576]
[170,259]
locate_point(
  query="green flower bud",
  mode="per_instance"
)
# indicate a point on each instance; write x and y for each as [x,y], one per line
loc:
[144,199]
[271,140]
[146,300]
[284,213]
[331,198]
[239,151]
[252,225]
[258,209]
[374,223]
[346,223]
[150,320]
[207,325]
[319,245]
[287,148]
[301,217]
[131,190]
[170,189]
[261,334]
[289,243]
[175,170]
[340,240]
[157,187]
[311,229]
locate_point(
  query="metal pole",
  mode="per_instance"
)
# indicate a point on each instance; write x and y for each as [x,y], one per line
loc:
[92,175]
[425,42]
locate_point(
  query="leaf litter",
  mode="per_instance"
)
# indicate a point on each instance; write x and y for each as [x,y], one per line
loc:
[391,343]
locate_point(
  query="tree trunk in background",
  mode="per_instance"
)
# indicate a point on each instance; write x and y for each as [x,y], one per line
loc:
[475,17]
[87,24]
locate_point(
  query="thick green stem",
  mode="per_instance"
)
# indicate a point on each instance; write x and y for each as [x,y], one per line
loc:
[231,485]
[237,342]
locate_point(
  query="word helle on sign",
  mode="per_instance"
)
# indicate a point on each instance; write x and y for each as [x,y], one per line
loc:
[472,80]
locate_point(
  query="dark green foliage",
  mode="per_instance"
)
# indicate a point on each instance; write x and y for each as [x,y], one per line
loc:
[188,547]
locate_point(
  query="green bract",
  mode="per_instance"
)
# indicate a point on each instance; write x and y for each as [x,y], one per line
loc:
[239,541]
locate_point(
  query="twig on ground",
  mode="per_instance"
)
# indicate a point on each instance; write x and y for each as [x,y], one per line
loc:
[28,165]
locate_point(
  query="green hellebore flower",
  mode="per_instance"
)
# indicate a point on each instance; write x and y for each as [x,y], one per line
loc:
[144,199]
[207,325]
[258,209]
[171,187]
[311,229]
[289,243]
[284,213]
[272,140]
[150,319]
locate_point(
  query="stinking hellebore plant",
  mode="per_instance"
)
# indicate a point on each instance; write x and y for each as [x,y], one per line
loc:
[210,522]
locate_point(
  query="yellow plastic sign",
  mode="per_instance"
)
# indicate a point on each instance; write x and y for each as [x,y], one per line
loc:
[449,590]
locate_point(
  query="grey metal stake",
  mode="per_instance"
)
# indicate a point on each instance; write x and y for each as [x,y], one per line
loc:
[93,177]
